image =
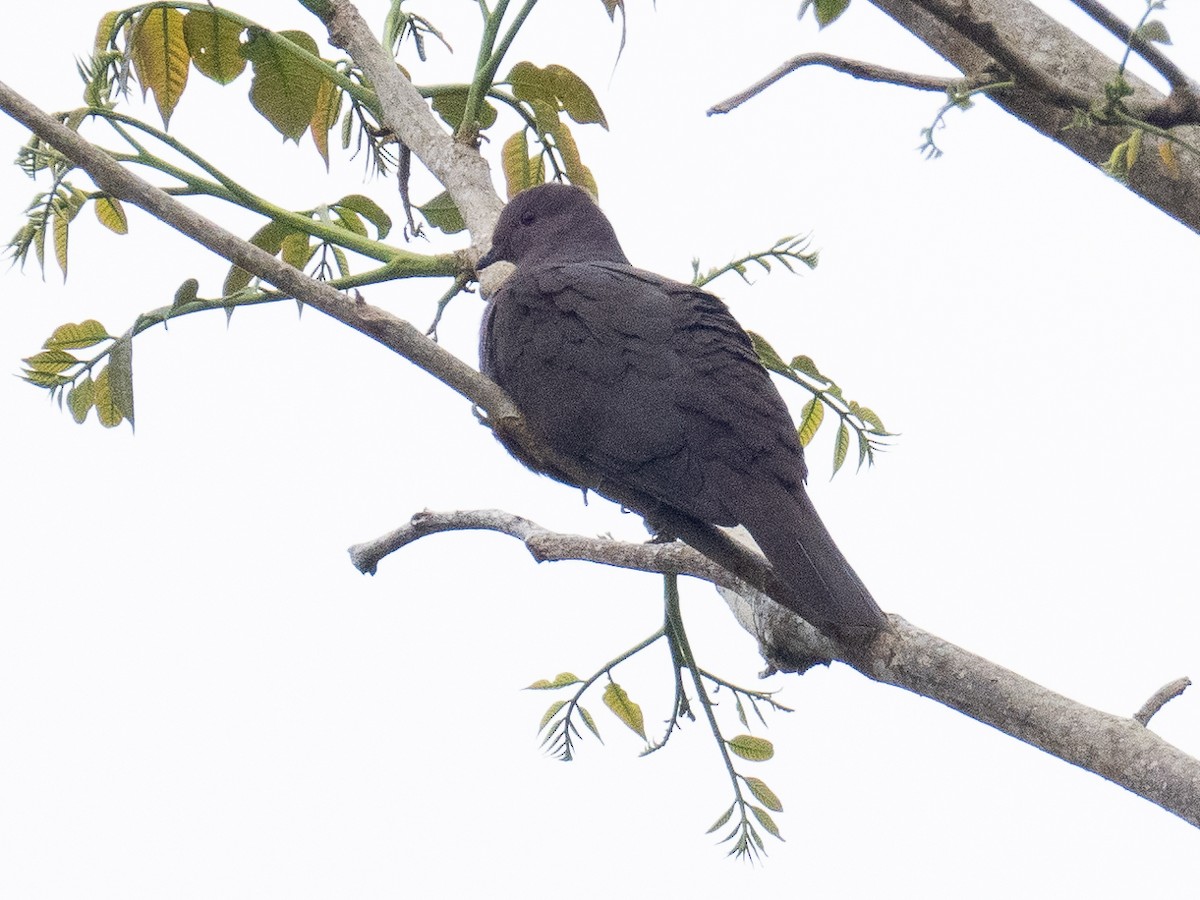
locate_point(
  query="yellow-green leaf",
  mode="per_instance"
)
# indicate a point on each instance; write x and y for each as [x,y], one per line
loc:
[214,44]
[62,226]
[296,250]
[45,379]
[80,399]
[755,749]
[590,723]
[104,32]
[185,293]
[50,361]
[810,420]
[576,97]
[722,820]
[624,709]
[514,160]
[577,172]
[551,713]
[325,116]
[160,57]
[530,83]
[764,794]
[106,410]
[1166,152]
[74,336]
[120,376]
[285,87]
[562,679]
[765,820]
[841,446]
[111,214]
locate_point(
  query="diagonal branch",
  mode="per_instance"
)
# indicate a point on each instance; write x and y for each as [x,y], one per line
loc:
[859,69]
[1117,748]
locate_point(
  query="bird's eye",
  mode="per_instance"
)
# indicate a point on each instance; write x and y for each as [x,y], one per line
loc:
[527,217]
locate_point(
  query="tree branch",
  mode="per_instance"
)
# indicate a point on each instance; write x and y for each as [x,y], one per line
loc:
[859,69]
[1075,68]
[1119,749]
[1174,76]
[457,165]
[1161,698]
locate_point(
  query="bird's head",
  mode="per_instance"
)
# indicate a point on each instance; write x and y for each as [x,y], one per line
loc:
[553,223]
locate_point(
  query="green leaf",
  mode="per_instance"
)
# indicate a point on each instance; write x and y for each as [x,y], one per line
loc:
[765,820]
[561,680]
[104,32]
[50,361]
[440,212]
[451,105]
[73,337]
[80,399]
[120,376]
[551,713]
[807,366]
[590,723]
[270,238]
[576,98]
[160,57]
[185,293]
[829,10]
[841,447]
[764,795]
[1155,31]
[722,820]
[530,83]
[111,214]
[295,250]
[285,87]
[214,43]
[767,355]
[811,417]
[755,749]
[624,709]
[369,210]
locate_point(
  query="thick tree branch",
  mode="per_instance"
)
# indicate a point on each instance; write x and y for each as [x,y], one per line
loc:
[1120,749]
[1051,51]
[457,165]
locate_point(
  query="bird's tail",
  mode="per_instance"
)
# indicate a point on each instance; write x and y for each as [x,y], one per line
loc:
[821,585]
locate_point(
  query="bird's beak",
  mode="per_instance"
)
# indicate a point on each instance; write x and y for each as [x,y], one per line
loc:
[487,259]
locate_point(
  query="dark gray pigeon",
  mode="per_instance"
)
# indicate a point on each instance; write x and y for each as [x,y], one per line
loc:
[654,385]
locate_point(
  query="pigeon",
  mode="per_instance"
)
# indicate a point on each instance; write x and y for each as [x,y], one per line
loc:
[654,386]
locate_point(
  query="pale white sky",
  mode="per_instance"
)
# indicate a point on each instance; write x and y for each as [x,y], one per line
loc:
[200,697]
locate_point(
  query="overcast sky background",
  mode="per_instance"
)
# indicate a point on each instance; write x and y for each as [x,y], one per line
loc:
[200,697]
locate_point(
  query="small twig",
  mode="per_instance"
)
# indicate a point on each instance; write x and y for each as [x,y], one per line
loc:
[1175,77]
[1161,698]
[859,69]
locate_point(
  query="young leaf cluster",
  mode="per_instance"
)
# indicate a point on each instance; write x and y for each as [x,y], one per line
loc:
[109,391]
[862,421]
[753,800]
[786,251]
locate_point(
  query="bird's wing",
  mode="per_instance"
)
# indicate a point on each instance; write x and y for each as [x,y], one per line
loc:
[650,380]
